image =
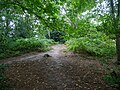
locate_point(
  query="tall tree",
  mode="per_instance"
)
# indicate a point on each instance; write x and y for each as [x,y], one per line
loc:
[116,22]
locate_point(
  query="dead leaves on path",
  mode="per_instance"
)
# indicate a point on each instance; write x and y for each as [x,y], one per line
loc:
[60,74]
[62,71]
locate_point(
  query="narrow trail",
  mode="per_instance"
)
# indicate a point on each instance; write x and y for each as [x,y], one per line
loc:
[61,71]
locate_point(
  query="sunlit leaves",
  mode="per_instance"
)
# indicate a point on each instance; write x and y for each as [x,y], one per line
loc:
[81,5]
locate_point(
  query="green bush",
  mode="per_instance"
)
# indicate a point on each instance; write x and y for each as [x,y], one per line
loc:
[26,45]
[30,44]
[95,43]
[4,83]
[113,81]
[3,42]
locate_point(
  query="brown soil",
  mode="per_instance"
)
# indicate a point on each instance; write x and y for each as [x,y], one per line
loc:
[61,71]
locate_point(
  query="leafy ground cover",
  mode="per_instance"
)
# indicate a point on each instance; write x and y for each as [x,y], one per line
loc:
[96,43]
[21,46]
[4,81]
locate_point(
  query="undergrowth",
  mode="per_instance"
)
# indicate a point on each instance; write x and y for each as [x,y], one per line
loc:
[4,83]
[96,43]
[113,81]
[20,46]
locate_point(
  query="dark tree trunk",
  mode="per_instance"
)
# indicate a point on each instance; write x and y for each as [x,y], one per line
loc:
[112,9]
[118,49]
[118,34]
[119,9]
[7,22]
[116,27]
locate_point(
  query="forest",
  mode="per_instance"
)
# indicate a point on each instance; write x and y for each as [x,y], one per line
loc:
[60,41]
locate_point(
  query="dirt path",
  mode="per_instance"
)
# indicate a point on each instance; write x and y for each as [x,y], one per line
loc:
[61,71]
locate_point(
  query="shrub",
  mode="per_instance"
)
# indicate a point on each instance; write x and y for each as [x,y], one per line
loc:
[113,81]
[30,44]
[4,83]
[96,43]
[3,42]
[26,45]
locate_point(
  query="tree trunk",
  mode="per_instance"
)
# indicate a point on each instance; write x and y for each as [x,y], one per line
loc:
[7,22]
[118,36]
[118,49]
[119,9]
[49,34]
[116,27]
[112,9]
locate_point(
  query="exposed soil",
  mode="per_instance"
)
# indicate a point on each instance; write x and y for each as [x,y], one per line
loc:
[60,71]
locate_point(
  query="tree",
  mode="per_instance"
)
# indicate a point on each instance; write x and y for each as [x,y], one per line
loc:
[116,25]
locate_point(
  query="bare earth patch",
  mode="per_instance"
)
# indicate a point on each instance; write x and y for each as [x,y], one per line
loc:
[62,71]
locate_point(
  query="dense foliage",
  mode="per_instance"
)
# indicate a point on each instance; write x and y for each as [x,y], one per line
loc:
[95,43]
[4,83]
[20,46]
[113,81]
